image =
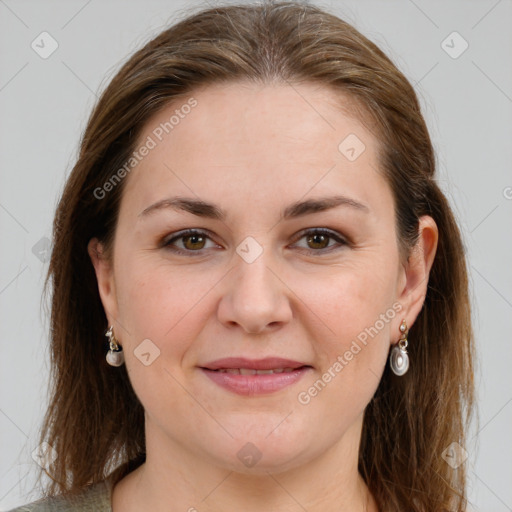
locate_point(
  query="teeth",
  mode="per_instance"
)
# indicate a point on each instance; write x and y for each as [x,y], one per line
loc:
[251,371]
[248,371]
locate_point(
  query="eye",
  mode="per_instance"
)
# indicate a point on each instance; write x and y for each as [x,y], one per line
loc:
[318,239]
[192,240]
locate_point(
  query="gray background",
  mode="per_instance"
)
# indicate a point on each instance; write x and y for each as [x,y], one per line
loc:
[44,104]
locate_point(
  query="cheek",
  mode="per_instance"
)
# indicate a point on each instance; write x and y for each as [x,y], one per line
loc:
[351,300]
[163,303]
[351,363]
[356,312]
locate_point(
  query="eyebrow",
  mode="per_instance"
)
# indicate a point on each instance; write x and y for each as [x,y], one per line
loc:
[211,211]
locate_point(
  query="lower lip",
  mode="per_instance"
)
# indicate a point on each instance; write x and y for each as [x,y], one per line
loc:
[255,384]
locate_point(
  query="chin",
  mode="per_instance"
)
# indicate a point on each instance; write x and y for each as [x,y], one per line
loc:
[267,464]
[255,455]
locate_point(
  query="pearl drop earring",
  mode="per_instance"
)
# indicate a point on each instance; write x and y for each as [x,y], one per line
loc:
[399,358]
[115,356]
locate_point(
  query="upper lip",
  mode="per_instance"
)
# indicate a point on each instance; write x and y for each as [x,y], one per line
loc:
[269,363]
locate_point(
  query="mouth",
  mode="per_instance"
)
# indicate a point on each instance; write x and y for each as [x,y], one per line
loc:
[253,377]
[246,365]
[252,371]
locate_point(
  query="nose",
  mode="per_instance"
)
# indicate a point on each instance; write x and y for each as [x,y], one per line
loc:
[256,297]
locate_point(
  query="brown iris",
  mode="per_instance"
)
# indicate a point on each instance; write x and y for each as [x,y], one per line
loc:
[315,239]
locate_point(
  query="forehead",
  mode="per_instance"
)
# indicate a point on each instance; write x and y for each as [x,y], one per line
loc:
[263,139]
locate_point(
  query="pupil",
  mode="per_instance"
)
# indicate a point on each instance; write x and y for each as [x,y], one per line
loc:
[314,238]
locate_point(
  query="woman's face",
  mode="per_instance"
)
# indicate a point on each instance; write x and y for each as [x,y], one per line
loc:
[268,275]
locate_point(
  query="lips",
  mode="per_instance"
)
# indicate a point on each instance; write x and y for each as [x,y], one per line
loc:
[255,377]
[252,371]
[254,366]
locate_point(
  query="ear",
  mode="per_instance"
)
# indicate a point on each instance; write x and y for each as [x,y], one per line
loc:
[105,278]
[415,272]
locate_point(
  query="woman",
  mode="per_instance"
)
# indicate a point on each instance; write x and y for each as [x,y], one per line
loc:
[260,298]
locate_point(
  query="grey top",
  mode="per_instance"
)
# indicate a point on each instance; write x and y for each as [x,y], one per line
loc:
[95,498]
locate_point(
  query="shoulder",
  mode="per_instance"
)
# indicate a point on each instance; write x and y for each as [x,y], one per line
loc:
[95,498]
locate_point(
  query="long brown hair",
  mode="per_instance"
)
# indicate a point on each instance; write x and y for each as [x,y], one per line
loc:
[95,421]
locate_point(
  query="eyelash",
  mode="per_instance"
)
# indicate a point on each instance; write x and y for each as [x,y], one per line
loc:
[315,231]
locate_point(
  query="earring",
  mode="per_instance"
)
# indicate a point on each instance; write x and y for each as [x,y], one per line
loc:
[115,356]
[399,358]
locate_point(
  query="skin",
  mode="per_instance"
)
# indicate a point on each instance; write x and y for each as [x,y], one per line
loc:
[253,150]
